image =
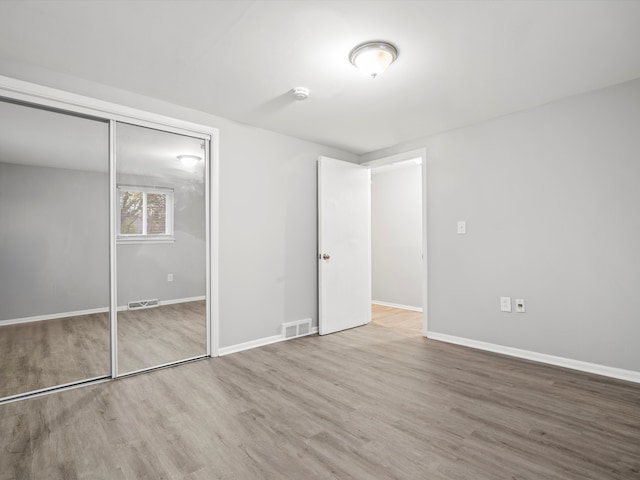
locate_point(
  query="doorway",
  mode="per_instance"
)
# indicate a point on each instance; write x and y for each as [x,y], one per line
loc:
[399,241]
[344,227]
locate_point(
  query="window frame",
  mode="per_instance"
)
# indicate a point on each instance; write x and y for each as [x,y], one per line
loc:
[168,236]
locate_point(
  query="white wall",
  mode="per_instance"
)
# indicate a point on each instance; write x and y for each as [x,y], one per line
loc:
[396,236]
[142,268]
[268,219]
[54,240]
[551,198]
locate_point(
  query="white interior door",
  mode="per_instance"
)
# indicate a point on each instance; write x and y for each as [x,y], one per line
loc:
[344,242]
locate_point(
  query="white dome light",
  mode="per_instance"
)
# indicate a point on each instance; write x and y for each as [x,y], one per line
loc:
[373,58]
[189,160]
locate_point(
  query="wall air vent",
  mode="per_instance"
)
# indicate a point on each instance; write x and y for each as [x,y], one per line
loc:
[299,328]
[143,304]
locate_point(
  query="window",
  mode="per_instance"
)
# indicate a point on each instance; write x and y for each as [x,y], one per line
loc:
[146,214]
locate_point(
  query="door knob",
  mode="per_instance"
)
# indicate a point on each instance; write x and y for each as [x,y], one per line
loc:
[326,256]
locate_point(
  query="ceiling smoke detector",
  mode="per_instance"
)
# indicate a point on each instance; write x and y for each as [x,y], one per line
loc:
[300,93]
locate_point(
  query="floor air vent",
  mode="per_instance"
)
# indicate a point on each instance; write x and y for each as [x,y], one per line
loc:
[298,328]
[143,304]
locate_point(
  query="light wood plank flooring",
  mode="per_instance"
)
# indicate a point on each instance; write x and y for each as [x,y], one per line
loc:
[156,336]
[44,354]
[375,402]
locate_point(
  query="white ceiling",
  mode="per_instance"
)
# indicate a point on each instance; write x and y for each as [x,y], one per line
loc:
[460,61]
[30,136]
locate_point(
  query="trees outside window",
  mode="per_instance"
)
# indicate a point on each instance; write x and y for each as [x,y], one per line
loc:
[145,212]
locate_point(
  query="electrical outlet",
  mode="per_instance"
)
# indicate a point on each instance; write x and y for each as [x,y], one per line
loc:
[520,305]
[462,227]
[505,304]
[169,277]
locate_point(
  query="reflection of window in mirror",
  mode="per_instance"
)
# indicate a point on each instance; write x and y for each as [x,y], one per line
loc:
[146,214]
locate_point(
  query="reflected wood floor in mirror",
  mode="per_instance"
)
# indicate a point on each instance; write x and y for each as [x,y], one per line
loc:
[159,335]
[374,402]
[43,354]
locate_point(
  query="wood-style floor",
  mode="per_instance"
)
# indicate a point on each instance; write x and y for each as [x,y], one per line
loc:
[375,402]
[44,354]
[156,336]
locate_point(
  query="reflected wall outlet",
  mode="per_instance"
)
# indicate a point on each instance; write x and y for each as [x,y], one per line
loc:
[169,277]
[505,304]
[520,305]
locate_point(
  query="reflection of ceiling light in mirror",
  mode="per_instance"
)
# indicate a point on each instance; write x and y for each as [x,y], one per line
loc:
[189,160]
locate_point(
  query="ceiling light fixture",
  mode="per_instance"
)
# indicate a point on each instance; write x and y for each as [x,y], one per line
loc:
[373,58]
[189,160]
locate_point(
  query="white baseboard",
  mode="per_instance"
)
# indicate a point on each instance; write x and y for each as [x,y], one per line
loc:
[397,305]
[54,316]
[181,300]
[619,373]
[260,342]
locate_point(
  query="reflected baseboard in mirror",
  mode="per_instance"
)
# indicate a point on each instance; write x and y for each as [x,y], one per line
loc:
[155,336]
[38,355]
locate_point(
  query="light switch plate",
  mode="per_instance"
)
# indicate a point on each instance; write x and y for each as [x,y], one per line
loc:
[505,304]
[462,227]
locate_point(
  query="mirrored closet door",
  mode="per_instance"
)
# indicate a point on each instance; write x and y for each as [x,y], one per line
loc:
[54,249]
[104,246]
[160,247]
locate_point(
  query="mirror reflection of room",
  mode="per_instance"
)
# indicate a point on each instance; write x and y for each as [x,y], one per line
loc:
[54,249]
[55,239]
[161,247]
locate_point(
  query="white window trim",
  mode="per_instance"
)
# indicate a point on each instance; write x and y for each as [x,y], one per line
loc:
[144,237]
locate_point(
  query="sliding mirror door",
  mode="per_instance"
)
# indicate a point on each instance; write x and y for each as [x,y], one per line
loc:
[54,249]
[160,247]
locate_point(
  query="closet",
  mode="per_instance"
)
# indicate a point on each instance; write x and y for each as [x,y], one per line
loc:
[104,245]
